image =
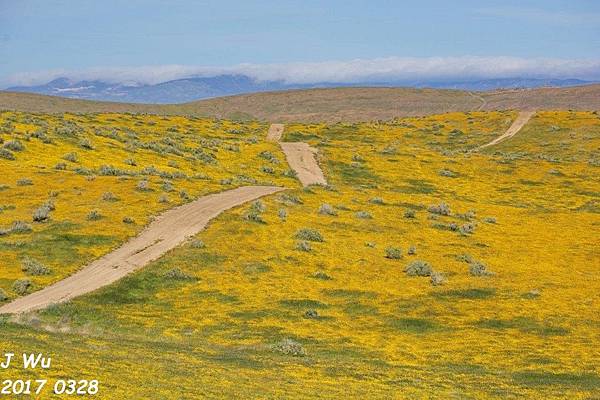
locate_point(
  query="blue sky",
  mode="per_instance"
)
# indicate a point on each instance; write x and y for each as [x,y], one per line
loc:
[41,39]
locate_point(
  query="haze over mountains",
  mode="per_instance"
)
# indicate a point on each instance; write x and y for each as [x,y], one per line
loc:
[197,88]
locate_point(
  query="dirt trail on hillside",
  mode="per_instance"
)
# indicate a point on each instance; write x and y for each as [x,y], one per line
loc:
[301,157]
[164,233]
[275,132]
[522,119]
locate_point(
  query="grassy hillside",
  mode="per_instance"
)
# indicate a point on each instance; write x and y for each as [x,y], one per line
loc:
[330,105]
[423,270]
[76,186]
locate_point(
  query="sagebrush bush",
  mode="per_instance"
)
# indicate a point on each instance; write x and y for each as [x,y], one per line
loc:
[477,268]
[418,268]
[22,286]
[33,267]
[94,215]
[410,213]
[41,214]
[303,245]
[321,275]
[490,220]
[437,278]
[86,144]
[61,166]
[312,235]
[24,182]
[363,215]
[282,214]
[7,155]
[197,244]
[376,200]
[20,227]
[327,209]
[3,295]
[289,347]
[178,275]
[467,229]
[109,196]
[393,253]
[14,145]
[412,250]
[143,186]
[71,157]
[163,199]
[439,209]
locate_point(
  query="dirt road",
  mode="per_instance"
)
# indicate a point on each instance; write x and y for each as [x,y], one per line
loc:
[301,157]
[166,232]
[519,122]
[275,132]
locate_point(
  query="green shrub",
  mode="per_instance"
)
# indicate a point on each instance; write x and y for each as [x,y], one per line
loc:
[439,209]
[477,268]
[109,196]
[7,155]
[94,215]
[178,275]
[71,157]
[41,214]
[303,245]
[33,267]
[363,215]
[282,214]
[20,227]
[322,276]
[412,250]
[3,295]
[418,268]
[376,200]
[289,347]
[22,286]
[410,214]
[163,199]
[393,253]
[61,166]
[14,145]
[327,209]
[197,244]
[490,220]
[24,182]
[309,234]
[267,170]
[143,186]
[447,173]
[437,278]
[128,220]
[86,144]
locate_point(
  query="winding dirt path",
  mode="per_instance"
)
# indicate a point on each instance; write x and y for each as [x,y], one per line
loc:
[164,233]
[518,123]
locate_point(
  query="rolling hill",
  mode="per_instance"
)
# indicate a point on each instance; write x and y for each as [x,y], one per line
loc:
[329,105]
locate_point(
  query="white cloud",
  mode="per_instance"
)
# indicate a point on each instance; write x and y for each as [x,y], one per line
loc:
[359,70]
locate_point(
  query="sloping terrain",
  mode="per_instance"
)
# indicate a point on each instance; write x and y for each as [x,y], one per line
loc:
[423,270]
[331,105]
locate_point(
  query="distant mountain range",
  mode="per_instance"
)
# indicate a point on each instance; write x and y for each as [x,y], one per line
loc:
[197,88]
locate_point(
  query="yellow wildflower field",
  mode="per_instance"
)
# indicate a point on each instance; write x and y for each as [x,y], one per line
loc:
[425,269]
